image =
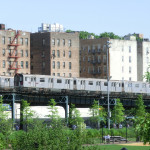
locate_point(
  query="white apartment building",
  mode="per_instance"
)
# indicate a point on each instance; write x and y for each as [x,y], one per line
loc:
[123,59]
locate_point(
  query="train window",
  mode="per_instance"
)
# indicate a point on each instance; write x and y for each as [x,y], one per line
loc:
[105,84]
[90,82]
[59,81]
[136,85]
[144,85]
[42,79]
[74,82]
[122,84]
[130,85]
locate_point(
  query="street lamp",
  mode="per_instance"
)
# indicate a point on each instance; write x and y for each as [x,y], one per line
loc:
[108,78]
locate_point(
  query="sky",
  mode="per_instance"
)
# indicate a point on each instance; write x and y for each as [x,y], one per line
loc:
[95,16]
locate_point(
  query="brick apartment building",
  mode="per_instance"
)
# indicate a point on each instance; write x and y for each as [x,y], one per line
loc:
[55,53]
[14,51]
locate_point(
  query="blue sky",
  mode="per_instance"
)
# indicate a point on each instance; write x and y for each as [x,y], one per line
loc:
[97,16]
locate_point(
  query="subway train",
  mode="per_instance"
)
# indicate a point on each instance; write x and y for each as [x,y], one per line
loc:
[86,84]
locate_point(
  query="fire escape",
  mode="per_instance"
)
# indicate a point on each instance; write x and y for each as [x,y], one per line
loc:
[13,54]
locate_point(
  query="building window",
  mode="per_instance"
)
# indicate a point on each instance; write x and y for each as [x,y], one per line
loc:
[147,60]
[129,59]
[99,48]
[63,53]
[3,52]
[104,48]
[43,54]
[70,75]
[16,65]
[53,74]
[69,54]
[3,63]
[53,53]
[88,58]
[129,78]
[83,69]
[129,69]
[26,53]
[69,65]
[64,74]
[53,42]
[21,64]
[27,64]
[43,42]
[21,53]
[9,52]
[58,65]
[88,49]
[122,58]
[58,53]
[58,74]
[3,40]
[99,60]
[88,69]
[83,58]
[58,42]
[53,64]
[63,42]
[99,70]
[26,41]
[122,48]
[122,69]
[21,41]
[105,69]
[9,40]
[63,64]
[69,42]
[9,64]
[16,53]
[104,59]
[129,49]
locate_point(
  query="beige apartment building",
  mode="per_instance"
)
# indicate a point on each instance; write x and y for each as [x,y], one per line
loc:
[14,51]
[55,53]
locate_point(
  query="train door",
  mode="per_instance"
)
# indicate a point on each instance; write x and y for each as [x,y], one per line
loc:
[67,83]
[82,84]
[98,85]
[50,83]
[33,81]
[7,82]
[75,84]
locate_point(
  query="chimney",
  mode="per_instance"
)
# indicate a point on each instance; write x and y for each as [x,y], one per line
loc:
[2,26]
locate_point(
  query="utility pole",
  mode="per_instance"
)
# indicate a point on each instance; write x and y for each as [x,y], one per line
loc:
[108,78]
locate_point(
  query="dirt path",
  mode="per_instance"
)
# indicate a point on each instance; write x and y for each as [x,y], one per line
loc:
[135,144]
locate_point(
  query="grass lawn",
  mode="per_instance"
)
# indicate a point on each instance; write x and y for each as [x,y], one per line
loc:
[116,147]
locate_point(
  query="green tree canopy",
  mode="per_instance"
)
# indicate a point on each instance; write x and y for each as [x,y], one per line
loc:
[75,118]
[118,112]
[140,107]
[97,112]
[110,35]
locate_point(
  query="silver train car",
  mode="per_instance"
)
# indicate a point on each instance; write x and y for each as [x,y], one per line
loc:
[6,82]
[86,84]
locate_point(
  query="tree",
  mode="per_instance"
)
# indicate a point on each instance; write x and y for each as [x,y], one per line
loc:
[55,119]
[143,127]
[27,113]
[118,112]
[97,112]
[110,35]
[75,118]
[147,75]
[140,107]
